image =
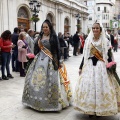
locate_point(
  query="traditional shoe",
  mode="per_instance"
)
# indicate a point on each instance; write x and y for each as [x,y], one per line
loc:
[5,77]
[22,75]
[10,76]
[98,116]
[90,116]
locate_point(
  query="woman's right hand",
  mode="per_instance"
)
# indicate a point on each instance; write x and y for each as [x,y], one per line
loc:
[12,45]
[39,43]
[80,71]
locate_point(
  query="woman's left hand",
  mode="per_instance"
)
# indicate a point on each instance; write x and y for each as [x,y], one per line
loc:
[61,65]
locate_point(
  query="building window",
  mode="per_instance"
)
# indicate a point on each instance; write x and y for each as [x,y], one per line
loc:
[66,25]
[98,9]
[50,17]
[90,18]
[106,25]
[22,13]
[106,17]
[85,3]
[105,9]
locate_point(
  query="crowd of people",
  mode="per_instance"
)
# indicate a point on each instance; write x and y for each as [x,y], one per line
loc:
[68,41]
[47,87]
[17,44]
[14,47]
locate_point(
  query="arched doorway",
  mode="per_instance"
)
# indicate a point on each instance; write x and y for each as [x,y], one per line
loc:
[23,19]
[50,18]
[66,25]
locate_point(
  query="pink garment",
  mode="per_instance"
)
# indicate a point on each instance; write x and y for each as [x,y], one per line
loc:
[30,55]
[22,52]
[110,64]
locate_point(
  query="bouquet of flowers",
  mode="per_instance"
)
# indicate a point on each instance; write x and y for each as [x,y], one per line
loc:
[111,66]
[30,58]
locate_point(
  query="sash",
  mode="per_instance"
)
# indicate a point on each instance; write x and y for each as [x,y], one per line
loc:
[47,52]
[96,53]
[62,70]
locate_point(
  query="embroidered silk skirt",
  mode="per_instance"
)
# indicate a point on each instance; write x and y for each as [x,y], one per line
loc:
[44,88]
[97,91]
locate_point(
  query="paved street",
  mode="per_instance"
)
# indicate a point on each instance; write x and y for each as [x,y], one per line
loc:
[11,107]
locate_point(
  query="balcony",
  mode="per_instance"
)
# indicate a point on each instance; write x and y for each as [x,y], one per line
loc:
[104,2]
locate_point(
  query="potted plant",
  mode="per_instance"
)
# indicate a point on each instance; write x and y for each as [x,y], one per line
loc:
[35,19]
[78,26]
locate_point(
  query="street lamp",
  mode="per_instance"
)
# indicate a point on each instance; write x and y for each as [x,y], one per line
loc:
[78,16]
[78,22]
[35,8]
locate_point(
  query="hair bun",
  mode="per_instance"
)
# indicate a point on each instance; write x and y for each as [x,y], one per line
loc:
[47,21]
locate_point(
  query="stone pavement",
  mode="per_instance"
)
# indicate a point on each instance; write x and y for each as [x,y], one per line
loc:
[11,107]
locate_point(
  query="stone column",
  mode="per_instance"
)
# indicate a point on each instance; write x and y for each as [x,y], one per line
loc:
[59,20]
[1,17]
[12,14]
[71,22]
[5,13]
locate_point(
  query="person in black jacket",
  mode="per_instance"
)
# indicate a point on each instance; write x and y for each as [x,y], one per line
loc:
[110,37]
[62,44]
[15,62]
[76,41]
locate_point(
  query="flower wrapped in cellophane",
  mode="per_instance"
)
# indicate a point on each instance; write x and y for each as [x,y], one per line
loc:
[30,58]
[111,67]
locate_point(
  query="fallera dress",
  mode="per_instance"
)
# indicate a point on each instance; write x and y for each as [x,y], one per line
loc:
[44,88]
[97,91]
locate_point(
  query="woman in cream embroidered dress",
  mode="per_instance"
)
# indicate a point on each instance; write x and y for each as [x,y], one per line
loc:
[97,91]
[44,88]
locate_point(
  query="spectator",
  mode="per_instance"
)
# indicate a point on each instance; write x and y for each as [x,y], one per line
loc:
[110,37]
[6,47]
[62,44]
[30,41]
[76,41]
[22,51]
[15,62]
[0,61]
[115,42]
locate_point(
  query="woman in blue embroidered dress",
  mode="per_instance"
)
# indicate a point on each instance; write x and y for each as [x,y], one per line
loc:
[45,88]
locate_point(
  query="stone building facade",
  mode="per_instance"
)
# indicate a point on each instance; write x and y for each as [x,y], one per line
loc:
[101,10]
[62,14]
